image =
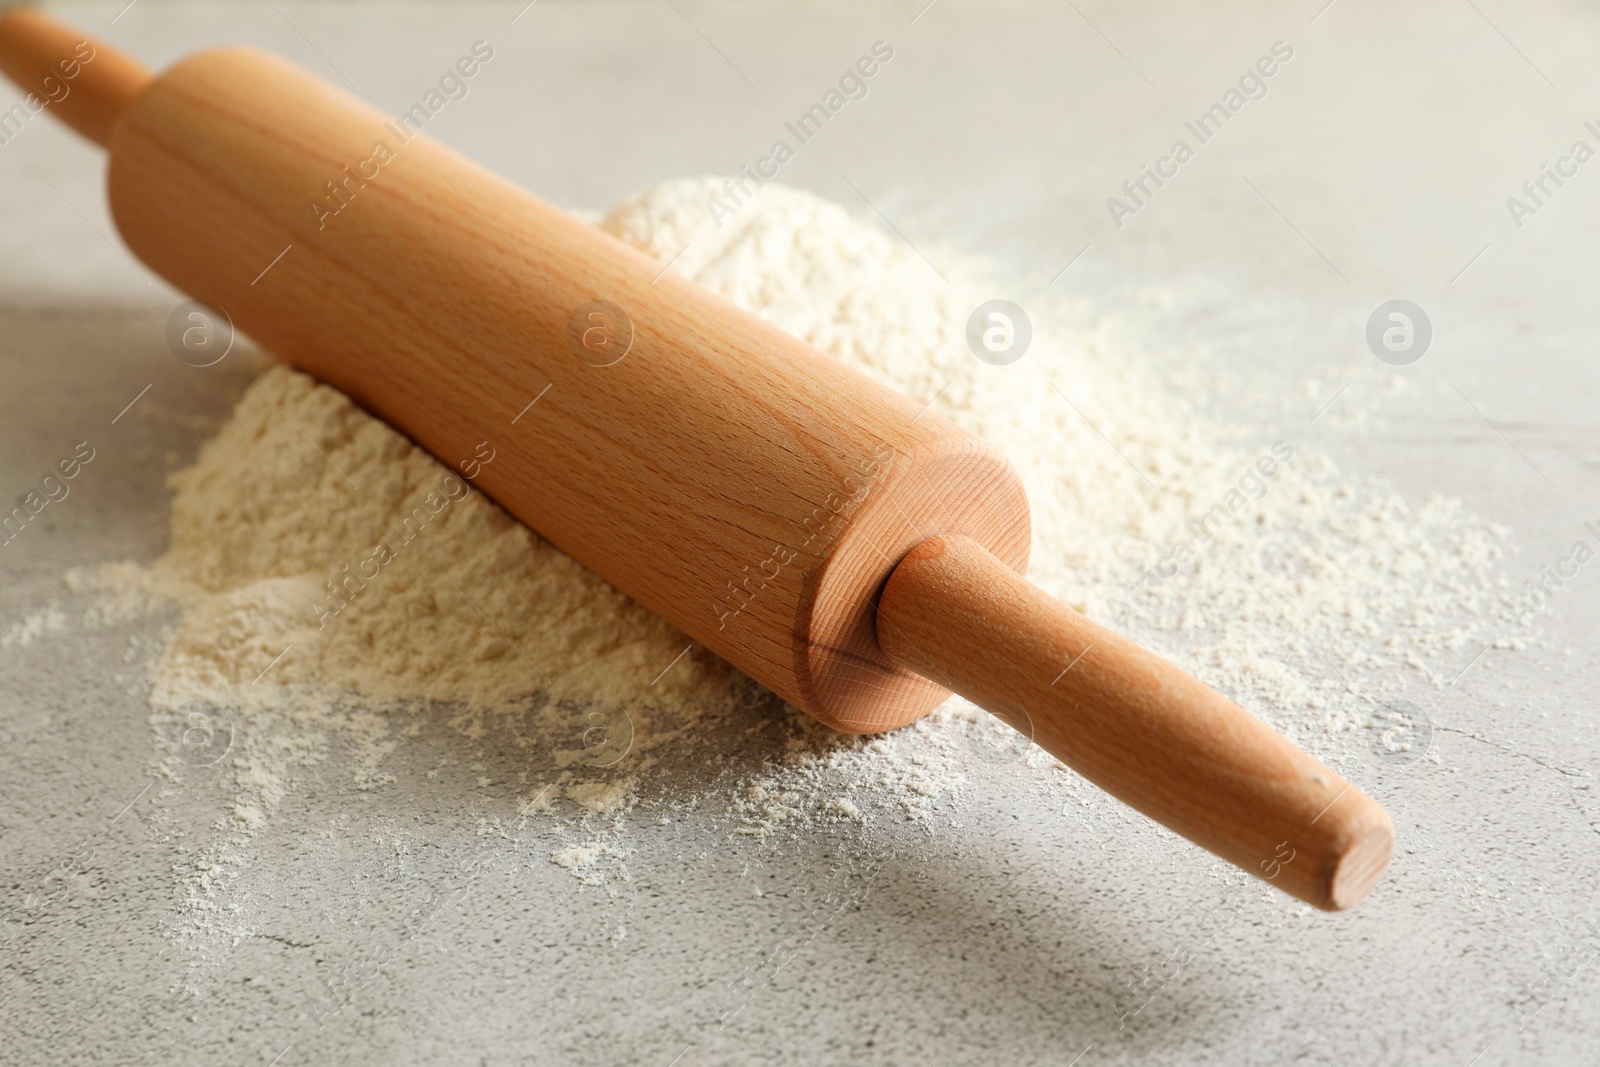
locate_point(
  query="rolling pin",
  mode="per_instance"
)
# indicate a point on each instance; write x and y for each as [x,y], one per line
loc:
[858,555]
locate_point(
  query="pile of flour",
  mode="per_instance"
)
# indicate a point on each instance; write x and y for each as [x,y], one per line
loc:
[1304,595]
[1304,579]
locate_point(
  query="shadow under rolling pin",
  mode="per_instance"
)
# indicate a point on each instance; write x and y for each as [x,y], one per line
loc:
[817,530]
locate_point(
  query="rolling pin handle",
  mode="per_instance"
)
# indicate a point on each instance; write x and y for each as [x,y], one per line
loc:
[951,611]
[1135,725]
[82,82]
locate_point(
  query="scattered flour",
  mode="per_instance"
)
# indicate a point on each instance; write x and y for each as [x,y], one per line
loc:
[1304,576]
[576,857]
[30,628]
[589,863]
[1307,596]
[604,798]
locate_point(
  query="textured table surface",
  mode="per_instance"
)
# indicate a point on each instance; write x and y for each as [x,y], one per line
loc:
[1378,166]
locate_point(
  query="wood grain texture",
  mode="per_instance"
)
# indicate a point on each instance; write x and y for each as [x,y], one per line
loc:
[1134,724]
[854,552]
[751,490]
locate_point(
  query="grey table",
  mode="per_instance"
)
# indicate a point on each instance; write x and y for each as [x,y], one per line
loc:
[1378,165]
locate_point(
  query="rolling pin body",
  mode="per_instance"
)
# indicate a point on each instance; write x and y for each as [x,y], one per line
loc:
[859,555]
[750,490]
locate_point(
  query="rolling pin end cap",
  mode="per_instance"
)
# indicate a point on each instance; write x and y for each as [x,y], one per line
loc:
[1361,863]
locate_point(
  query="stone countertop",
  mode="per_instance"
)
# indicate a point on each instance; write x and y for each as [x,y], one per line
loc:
[1377,164]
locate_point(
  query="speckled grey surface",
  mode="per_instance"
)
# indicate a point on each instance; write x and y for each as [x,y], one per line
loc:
[1010,928]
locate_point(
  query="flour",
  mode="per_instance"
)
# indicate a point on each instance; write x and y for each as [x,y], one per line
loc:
[34,626]
[590,863]
[1322,576]
[604,798]
[1310,601]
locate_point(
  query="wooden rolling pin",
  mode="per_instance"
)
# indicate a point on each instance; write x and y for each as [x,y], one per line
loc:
[817,530]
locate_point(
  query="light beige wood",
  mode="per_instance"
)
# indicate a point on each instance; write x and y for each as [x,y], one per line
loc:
[1132,723]
[753,491]
[83,83]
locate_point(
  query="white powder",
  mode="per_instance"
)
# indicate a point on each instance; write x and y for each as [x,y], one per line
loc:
[474,608]
[590,863]
[604,798]
[1300,604]
[30,628]
[1368,579]
[576,857]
